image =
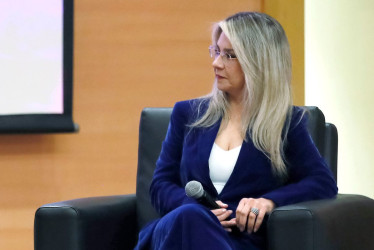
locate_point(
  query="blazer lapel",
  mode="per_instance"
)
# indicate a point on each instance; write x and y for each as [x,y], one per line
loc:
[240,168]
[206,139]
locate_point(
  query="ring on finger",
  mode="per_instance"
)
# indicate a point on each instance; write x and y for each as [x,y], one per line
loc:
[255,210]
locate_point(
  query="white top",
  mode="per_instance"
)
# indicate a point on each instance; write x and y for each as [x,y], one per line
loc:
[221,165]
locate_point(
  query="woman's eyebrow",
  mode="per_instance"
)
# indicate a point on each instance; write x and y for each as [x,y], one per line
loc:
[225,49]
[228,50]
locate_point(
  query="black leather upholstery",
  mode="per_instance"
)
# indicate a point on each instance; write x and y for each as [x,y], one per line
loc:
[344,223]
[113,222]
[331,148]
[88,223]
[153,127]
[316,127]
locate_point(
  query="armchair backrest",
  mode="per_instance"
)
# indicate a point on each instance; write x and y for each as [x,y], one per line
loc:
[325,136]
[152,131]
[153,126]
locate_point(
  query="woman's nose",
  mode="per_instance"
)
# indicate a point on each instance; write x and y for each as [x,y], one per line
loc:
[218,62]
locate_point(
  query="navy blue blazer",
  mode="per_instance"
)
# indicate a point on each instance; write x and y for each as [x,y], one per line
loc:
[185,153]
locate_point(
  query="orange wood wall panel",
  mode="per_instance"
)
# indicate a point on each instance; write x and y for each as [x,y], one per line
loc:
[128,55]
[290,14]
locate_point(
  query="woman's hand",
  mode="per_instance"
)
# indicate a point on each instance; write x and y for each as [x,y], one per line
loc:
[246,217]
[222,214]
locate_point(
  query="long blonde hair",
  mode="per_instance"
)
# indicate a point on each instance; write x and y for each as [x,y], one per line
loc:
[262,49]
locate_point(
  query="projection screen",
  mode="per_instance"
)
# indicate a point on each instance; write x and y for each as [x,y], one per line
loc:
[36,66]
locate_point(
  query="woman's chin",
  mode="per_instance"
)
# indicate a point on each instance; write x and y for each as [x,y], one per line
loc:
[221,86]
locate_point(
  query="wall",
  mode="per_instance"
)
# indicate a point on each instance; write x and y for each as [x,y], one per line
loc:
[290,14]
[339,60]
[128,55]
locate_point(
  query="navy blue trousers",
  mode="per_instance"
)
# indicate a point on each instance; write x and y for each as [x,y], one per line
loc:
[193,226]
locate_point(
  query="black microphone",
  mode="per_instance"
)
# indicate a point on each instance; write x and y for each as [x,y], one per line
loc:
[195,190]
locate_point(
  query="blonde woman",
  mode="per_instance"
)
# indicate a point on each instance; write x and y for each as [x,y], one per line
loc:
[245,143]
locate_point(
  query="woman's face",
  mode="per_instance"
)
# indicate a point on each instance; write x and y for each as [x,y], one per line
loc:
[229,74]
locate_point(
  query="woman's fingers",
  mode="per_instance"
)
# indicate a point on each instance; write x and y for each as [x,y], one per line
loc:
[228,224]
[264,206]
[259,220]
[222,213]
[221,204]
[252,216]
[251,212]
[219,211]
[242,213]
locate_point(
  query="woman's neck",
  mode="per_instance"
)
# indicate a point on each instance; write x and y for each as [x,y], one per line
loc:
[236,107]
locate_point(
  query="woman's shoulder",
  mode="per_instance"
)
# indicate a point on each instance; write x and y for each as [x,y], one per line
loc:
[298,112]
[298,117]
[188,108]
[192,103]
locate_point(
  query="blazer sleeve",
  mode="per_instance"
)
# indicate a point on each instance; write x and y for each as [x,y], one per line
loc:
[309,176]
[166,190]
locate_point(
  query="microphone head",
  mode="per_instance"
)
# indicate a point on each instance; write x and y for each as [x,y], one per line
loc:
[194,189]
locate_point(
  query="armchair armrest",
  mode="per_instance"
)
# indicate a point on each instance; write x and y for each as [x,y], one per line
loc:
[345,222]
[107,222]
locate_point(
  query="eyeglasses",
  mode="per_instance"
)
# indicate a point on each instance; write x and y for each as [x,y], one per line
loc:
[226,57]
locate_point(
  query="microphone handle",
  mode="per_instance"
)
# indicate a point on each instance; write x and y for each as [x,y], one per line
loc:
[208,201]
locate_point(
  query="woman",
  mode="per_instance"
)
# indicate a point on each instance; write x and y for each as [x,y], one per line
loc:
[245,143]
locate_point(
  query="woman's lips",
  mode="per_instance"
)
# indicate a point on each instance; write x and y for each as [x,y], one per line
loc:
[219,77]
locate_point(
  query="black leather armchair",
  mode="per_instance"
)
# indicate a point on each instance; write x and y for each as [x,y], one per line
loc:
[113,222]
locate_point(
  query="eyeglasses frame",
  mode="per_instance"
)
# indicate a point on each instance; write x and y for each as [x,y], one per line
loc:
[226,57]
